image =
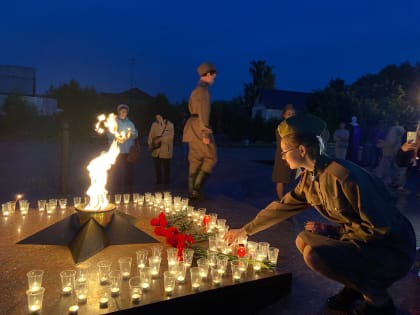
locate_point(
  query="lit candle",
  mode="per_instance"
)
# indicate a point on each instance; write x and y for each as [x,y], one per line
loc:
[82,298]
[35,287]
[67,290]
[206,219]
[126,275]
[104,280]
[141,265]
[180,278]
[195,285]
[135,298]
[241,252]
[103,302]
[34,309]
[82,279]
[6,213]
[169,290]
[115,291]
[236,277]
[257,267]
[73,309]
[145,285]
[217,281]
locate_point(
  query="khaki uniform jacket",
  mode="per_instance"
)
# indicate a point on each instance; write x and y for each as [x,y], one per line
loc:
[165,151]
[346,194]
[199,107]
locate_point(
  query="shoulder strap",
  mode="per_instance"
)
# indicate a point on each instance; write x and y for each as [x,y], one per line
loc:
[166,124]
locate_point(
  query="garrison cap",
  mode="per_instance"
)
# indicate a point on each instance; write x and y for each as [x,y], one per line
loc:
[205,67]
[303,123]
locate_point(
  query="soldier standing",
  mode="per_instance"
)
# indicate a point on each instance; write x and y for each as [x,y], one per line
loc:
[202,152]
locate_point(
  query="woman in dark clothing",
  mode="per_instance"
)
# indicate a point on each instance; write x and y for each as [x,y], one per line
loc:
[370,246]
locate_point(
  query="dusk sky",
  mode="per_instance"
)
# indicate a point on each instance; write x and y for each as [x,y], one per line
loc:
[157,45]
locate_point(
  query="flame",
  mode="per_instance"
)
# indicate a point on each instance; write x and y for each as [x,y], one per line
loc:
[98,167]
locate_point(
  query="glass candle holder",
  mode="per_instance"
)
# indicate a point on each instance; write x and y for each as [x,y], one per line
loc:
[203,266]
[135,289]
[41,205]
[35,279]
[115,282]
[35,299]
[195,277]
[142,258]
[104,267]
[145,278]
[169,282]
[125,267]
[67,281]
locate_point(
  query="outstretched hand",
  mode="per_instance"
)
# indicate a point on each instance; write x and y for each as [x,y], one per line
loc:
[232,235]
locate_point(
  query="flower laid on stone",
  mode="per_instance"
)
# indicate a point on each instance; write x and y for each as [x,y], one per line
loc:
[180,232]
[173,236]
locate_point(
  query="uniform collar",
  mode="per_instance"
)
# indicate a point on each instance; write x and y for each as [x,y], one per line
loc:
[203,84]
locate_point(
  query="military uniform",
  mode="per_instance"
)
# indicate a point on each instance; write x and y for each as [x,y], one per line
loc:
[200,155]
[375,237]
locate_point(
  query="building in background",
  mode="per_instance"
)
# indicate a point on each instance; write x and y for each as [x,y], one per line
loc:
[22,81]
[270,102]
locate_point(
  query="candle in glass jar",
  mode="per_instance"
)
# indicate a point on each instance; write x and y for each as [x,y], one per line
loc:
[82,298]
[34,309]
[103,302]
[169,290]
[82,279]
[35,287]
[180,278]
[126,275]
[67,290]
[115,291]
[241,252]
[73,309]
[104,280]
[145,285]
[195,285]
[135,298]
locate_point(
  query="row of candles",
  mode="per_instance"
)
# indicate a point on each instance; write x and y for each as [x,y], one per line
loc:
[158,201]
[76,282]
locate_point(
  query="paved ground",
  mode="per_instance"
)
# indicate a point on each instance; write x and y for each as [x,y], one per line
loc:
[238,188]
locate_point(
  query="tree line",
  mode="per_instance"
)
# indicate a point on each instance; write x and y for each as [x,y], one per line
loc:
[392,94]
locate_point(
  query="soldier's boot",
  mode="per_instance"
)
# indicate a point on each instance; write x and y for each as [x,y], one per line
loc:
[191,181]
[198,183]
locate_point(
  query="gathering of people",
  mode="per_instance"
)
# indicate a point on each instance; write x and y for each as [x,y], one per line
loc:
[367,244]
[197,134]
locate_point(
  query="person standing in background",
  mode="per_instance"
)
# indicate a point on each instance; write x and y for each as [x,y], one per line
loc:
[341,138]
[282,174]
[202,152]
[122,172]
[354,140]
[387,170]
[161,144]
